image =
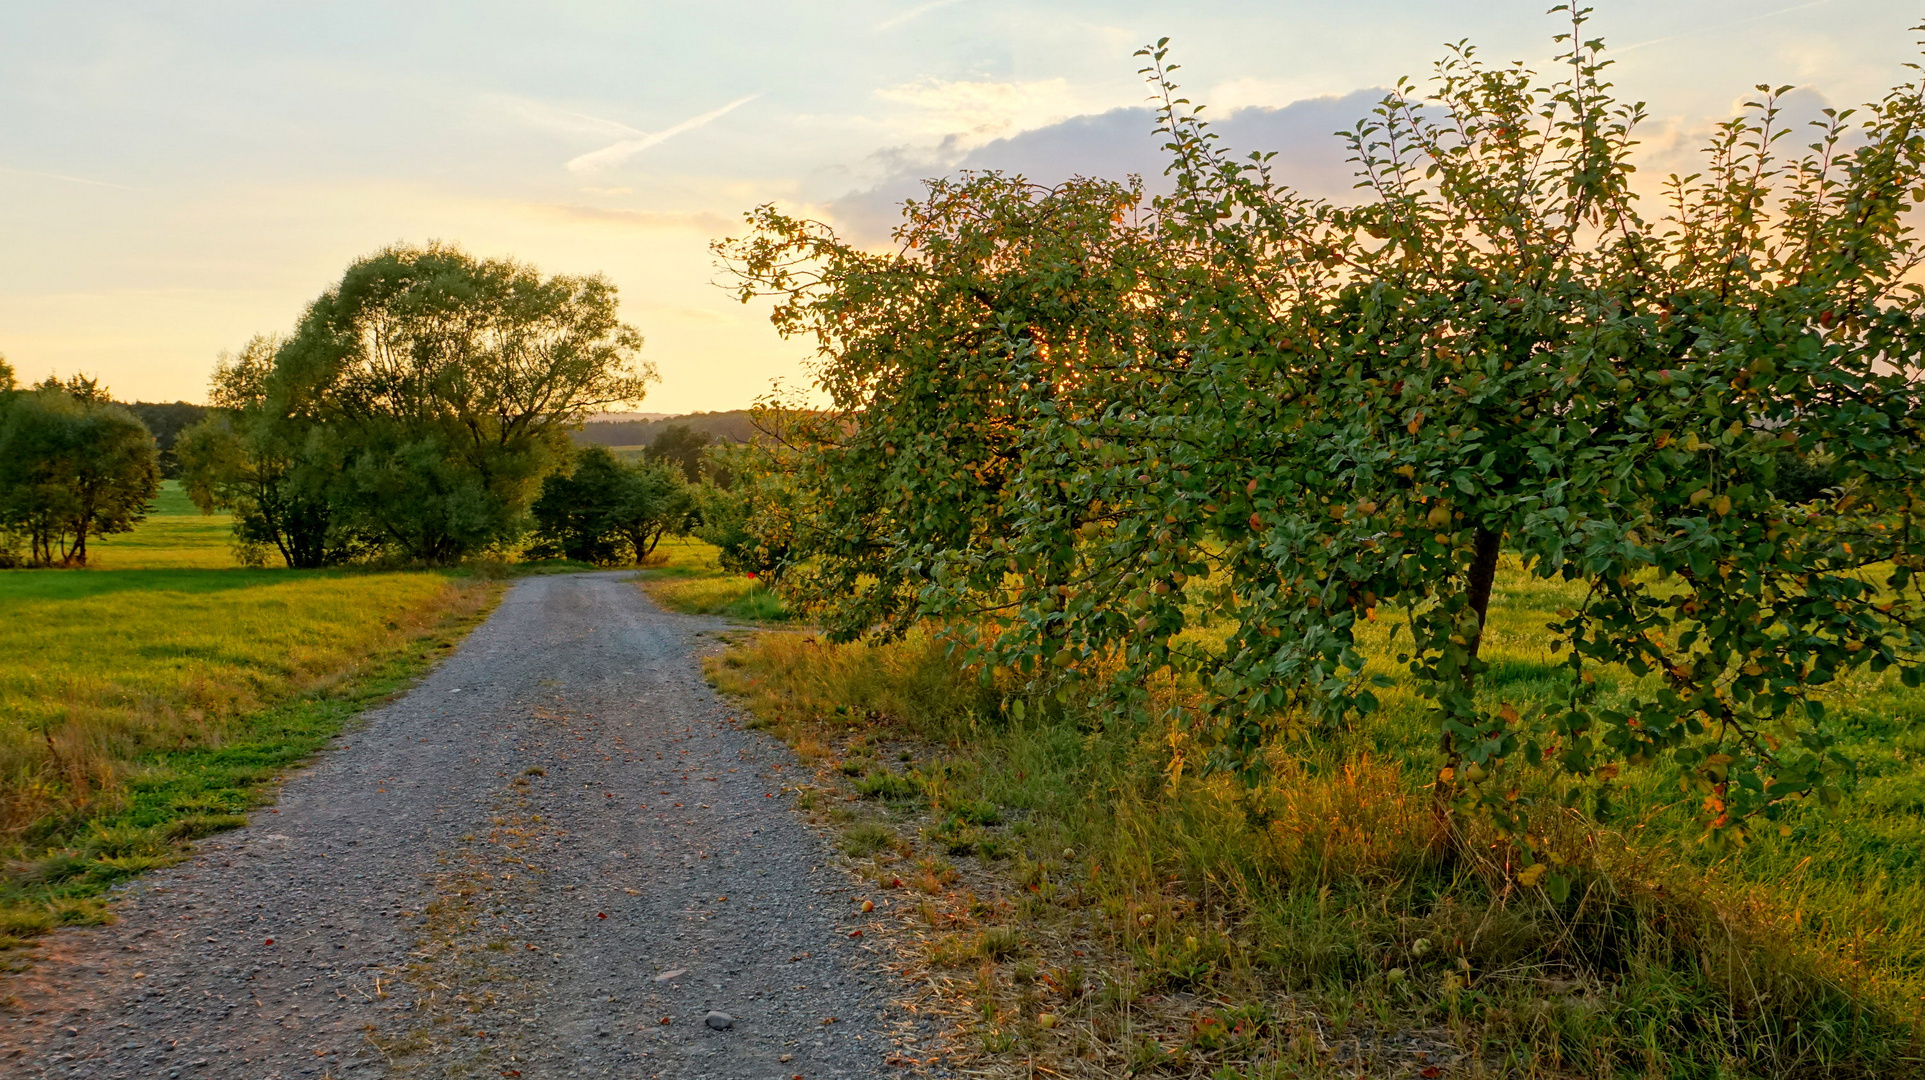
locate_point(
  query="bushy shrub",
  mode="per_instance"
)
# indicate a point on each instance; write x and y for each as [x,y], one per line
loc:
[747,520]
[1080,422]
[73,466]
[608,511]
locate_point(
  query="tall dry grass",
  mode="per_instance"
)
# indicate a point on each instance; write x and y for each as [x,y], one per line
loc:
[1320,889]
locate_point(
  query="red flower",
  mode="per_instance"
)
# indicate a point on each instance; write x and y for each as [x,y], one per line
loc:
[751,575]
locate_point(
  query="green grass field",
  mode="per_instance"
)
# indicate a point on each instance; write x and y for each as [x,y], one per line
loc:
[683,575]
[175,536]
[1801,954]
[149,698]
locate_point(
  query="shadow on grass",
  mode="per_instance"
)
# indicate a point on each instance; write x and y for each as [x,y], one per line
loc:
[81,584]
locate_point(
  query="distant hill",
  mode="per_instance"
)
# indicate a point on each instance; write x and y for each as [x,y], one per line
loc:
[621,417]
[167,419]
[732,427]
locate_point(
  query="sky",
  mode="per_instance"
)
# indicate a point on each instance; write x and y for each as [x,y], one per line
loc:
[177,176]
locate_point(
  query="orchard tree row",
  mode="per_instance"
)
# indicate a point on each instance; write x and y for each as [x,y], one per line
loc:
[419,413]
[1071,422]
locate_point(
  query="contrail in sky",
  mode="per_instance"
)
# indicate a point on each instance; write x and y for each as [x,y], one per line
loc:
[617,152]
[69,179]
[914,13]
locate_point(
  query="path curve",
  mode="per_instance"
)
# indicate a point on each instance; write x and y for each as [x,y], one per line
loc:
[552,858]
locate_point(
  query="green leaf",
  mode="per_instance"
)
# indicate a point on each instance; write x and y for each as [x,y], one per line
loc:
[1557,887]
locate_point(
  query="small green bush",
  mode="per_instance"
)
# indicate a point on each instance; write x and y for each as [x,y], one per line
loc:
[866,838]
[892,787]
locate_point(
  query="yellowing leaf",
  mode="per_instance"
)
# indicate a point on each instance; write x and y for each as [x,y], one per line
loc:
[1531,875]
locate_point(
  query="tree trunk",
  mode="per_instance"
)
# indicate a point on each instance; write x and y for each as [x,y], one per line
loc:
[1485,549]
[1483,570]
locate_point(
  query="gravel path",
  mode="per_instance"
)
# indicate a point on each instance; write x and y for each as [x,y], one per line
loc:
[552,858]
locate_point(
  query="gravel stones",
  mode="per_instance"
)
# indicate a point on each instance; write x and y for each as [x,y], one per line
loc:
[719,1021]
[521,859]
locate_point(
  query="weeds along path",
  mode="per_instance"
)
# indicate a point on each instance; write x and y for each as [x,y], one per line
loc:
[552,858]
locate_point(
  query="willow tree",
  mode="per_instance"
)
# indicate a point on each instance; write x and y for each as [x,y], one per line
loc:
[452,382]
[276,471]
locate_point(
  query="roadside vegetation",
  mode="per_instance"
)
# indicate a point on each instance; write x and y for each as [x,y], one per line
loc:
[1077,896]
[686,574]
[1468,629]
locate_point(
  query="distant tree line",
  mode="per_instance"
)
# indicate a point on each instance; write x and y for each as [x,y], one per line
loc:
[73,466]
[167,419]
[420,413]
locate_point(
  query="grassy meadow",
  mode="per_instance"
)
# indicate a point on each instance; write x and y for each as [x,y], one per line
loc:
[1082,908]
[175,536]
[152,697]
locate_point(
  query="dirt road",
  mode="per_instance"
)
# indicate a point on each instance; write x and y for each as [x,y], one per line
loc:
[553,858]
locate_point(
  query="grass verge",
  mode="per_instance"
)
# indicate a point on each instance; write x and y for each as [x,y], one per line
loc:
[147,705]
[1074,906]
[152,802]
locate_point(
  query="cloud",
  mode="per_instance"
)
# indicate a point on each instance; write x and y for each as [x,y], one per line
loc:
[977,112]
[701,221]
[1720,26]
[1117,144]
[619,152]
[1677,145]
